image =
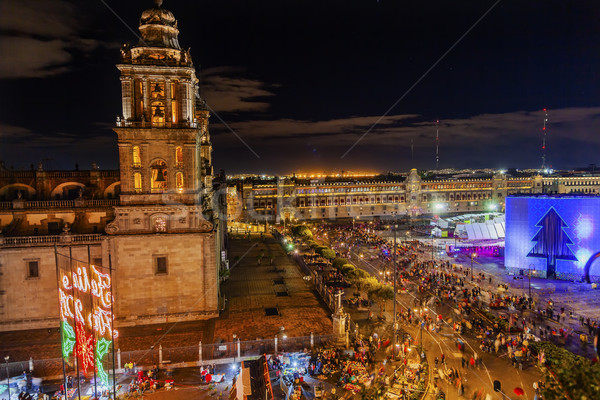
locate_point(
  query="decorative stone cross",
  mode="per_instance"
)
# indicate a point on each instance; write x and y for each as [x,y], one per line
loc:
[339,300]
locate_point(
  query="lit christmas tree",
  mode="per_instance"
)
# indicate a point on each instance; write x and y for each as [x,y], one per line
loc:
[552,242]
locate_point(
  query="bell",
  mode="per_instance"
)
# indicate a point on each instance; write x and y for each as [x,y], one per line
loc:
[159,112]
[160,177]
[157,89]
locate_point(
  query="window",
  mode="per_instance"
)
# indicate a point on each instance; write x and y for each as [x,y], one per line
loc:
[137,182]
[174,111]
[157,90]
[158,112]
[137,160]
[160,265]
[179,181]
[33,269]
[97,262]
[159,177]
[53,228]
[179,157]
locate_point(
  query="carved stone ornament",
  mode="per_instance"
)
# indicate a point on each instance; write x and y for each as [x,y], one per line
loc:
[112,228]
[137,221]
[206,226]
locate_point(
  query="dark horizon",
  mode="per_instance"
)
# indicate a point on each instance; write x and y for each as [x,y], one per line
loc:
[301,82]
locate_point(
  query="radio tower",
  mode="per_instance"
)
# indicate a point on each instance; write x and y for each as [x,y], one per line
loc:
[437,144]
[544,139]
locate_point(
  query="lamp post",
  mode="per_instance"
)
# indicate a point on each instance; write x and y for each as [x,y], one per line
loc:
[473,255]
[529,278]
[432,246]
[6,358]
[395,272]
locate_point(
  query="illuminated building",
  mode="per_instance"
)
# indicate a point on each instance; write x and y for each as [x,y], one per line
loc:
[154,221]
[385,196]
[553,235]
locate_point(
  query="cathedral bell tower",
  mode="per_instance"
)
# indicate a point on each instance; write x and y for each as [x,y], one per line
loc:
[163,236]
[163,138]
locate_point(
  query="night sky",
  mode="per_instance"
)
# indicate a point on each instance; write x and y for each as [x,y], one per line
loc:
[300,81]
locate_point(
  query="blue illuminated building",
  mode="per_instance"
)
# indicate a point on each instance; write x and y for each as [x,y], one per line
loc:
[554,236]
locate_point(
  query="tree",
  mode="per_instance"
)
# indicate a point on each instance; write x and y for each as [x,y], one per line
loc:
[357,278]
[302,231]
[382,294]
[552,242]
[326,252]
[338,262]
[567,376]
[347,270]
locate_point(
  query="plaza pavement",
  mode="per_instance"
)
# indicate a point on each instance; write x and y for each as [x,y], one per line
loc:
[252,287]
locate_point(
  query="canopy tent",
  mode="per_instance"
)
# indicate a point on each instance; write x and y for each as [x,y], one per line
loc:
[490,230]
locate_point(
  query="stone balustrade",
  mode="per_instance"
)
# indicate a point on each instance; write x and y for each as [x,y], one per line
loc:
[49,240]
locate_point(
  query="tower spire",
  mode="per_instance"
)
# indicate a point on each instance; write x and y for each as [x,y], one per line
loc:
[437,144]
[544,139]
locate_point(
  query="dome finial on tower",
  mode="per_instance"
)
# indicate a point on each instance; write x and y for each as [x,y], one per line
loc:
[158,3]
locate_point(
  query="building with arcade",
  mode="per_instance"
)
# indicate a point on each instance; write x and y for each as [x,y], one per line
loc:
[411,194]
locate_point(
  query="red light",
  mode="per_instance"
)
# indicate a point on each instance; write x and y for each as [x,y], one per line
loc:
[544,109]
[543,147]
[544,128]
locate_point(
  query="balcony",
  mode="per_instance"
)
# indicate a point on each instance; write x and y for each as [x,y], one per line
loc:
[48,204]
[26,241]
[121,123]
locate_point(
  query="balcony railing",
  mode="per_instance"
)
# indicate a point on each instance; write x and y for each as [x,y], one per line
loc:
[46,204]
[146,124]
[48,240]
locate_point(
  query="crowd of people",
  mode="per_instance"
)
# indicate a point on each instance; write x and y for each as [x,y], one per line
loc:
[505,323]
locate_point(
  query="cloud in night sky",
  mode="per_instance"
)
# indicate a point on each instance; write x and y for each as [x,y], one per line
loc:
[464,142]
[226,91]
[39,35]
[572,123]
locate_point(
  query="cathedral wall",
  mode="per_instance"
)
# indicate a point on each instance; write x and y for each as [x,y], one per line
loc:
[31,302]
[145,294]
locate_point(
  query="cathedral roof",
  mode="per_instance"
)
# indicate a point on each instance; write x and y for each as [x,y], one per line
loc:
[158,28]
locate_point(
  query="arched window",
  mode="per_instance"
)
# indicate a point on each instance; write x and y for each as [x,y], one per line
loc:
[159,177]
[158,113]
[179,157]
[174,111]
[137,160]
[179,181]
[137,182]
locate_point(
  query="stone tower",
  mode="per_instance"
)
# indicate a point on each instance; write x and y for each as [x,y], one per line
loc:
[163,237]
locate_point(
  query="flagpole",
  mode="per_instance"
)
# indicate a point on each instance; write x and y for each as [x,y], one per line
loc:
[112,330]
[93,330]
[73,292]
[60,324]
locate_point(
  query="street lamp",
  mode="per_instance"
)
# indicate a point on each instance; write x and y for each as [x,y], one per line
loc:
[529,279]
[6,358]
[473,255]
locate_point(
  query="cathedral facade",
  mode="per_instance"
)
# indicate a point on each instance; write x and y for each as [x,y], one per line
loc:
[155,222]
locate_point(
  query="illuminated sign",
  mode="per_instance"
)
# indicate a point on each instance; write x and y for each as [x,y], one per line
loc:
[85,293]
[553,235]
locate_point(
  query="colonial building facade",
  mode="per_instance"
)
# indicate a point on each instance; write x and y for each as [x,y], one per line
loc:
[409,195]
[154,222]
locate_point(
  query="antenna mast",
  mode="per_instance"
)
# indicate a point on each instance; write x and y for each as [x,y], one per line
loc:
[544,139]
[437,144]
